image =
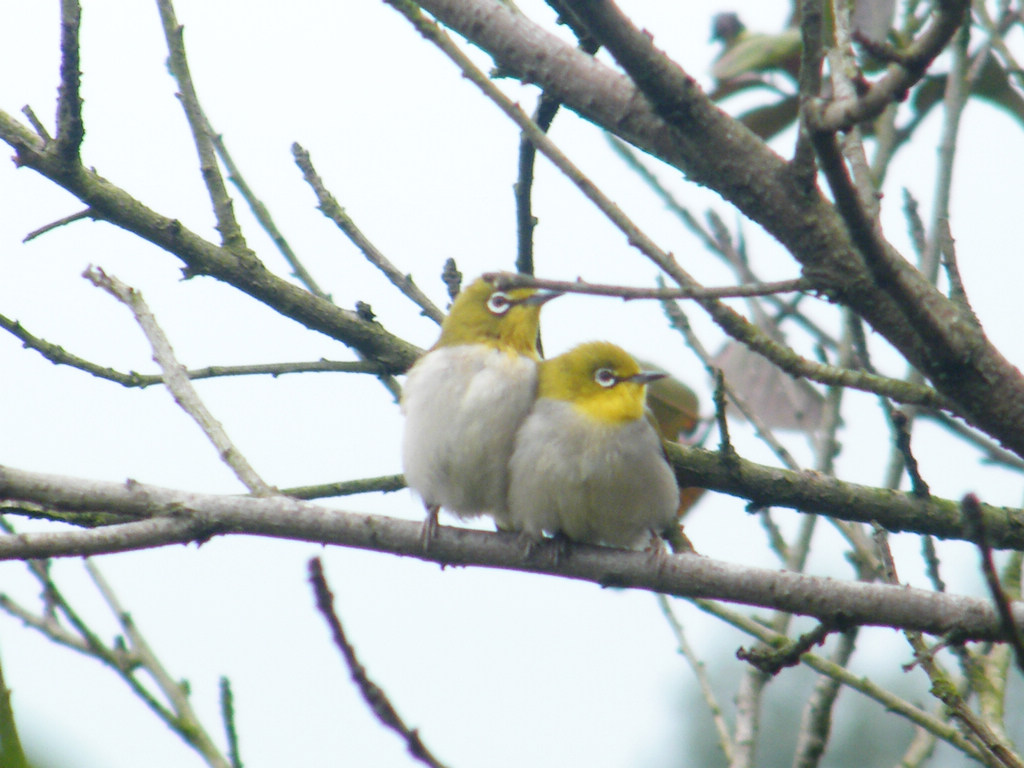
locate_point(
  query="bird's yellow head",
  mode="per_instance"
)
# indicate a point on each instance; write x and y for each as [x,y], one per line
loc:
[507,320]
[599,379]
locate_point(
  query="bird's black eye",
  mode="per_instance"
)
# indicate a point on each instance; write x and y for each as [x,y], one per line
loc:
[499,303]
[605,377]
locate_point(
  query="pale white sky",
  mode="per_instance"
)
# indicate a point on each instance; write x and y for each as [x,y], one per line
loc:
[494,668]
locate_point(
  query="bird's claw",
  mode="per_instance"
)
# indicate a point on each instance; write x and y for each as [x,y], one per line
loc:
[429,530]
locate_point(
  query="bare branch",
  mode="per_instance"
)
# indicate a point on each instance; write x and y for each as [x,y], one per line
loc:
[678,320]
[245,272]
[185,721]
[196,517]
[59,356]
[374,695]
[699,672]
[812,30]
[262,214]
[900,425]
[70,129]
[384,484]
[332,210]
[507,280]
[816,723]
[177,381]
[994,748]
[675,121]
[37,124]
[972,515]
[227,224]
[58,223]
[543,116]
[859,683]
[909,67]
[227,710]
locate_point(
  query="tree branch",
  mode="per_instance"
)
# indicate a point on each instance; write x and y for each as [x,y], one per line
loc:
[670,117]
[177,383]
[373,694]
[909,67]
[70,129]
[507,280]
[201,257]
[59,356]
[332,210]
[196,517]
[812,492]
[223,209]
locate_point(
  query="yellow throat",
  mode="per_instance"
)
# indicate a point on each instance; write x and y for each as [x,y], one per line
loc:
[599,379]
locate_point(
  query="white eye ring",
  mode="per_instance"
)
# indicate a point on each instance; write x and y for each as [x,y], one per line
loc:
[605,377]
[499,303]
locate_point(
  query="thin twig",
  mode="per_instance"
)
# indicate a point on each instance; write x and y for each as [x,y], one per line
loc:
[46,624]
[812,30]
[816,722]
[771,661]
[185,721]
[748,717]
[227,224]
[994,749]
[931,563]
[383,484]
[711,242]
[332,210]
[177,382]
[912,213]
[954,101]
[124,661]
[227,710]
[900,424]
[993,452]
[59,356]
[374,695]
[725,447]
[56,224]
[947,257]
[506,280]
[697,666]
[859,683]
[37,124]
[678,320]
[976,531]
[840,115]
[261,212]
[543,116]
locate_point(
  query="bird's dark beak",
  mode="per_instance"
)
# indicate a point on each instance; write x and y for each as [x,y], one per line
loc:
[646,377]
[540,298]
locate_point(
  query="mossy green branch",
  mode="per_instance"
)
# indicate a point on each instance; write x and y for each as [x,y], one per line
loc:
[815,493]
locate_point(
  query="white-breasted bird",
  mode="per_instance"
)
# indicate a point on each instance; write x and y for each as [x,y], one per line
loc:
[588,464]
[465,399]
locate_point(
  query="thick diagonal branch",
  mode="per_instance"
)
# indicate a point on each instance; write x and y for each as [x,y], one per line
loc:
[663,111]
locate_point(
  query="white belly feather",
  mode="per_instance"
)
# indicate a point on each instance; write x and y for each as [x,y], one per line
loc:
[463,406]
